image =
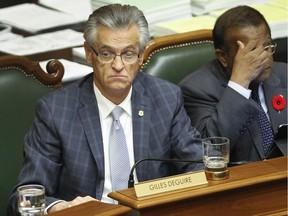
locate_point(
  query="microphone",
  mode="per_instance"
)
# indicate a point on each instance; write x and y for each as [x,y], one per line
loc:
[237,163]
[131,176]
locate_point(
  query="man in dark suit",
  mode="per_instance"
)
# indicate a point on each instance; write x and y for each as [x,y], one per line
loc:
[67,148]
[217,96]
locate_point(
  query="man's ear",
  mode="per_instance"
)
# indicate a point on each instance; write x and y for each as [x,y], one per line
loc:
[221,57]
[88,53]
[141,58]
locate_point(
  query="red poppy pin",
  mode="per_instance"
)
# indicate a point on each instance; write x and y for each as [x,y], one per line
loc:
[278,102]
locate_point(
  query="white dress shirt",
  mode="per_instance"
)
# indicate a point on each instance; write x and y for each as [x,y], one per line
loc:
[105,107]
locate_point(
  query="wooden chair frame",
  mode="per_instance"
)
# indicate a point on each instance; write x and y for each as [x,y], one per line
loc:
[53,77]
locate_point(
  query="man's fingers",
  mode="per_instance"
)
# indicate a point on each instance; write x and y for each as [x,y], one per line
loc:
[240,44]
[79,200]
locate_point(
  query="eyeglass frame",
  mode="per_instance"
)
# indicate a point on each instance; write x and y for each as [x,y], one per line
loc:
[115,55]
[272,46]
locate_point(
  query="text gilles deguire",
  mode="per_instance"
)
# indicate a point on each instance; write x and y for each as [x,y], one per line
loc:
[170,183]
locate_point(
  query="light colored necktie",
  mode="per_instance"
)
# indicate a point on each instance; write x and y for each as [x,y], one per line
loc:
[119,158]
[263,122]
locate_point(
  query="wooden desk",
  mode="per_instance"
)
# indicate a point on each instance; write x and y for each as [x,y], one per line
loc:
[258,188]
[93,208]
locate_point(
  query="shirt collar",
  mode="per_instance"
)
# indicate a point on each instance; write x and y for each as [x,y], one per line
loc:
[106,106]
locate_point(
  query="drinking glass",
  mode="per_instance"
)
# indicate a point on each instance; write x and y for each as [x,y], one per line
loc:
[31,200]
[216,151]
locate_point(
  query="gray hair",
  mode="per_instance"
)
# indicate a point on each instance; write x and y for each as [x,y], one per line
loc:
[117,16]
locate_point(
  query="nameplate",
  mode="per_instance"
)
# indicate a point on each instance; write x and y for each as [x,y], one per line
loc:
[170,183]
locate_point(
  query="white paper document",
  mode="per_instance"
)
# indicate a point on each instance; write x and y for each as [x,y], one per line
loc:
[200,7]
[79,8]
[6,34]
[79,55]
[34,18]
[154,11]
[73,70]
[43,42]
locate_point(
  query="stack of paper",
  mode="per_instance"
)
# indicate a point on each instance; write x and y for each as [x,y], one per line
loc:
[42,42]
[155,11]
[200,7]
[34,18]
[274,11]
[184,25]
[6,34]
[79,55]
[275,14]
[278,3]
[81,9]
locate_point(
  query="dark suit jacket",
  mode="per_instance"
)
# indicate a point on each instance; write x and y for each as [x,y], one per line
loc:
[218,110]
[64,149]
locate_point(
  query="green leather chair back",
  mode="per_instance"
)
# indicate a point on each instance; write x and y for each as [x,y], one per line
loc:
[22,83]
[174,57]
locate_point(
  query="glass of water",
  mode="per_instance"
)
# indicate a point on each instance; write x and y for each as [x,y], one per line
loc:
[216,152]
[31,200]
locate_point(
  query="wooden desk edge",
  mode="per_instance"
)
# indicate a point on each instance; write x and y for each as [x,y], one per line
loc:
[93,208]
[128,196]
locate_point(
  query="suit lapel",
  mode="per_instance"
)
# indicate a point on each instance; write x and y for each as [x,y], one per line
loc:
[89,115]
[141,126]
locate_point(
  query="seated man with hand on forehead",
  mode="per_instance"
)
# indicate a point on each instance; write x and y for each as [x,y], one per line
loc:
[71,150]
[241,94]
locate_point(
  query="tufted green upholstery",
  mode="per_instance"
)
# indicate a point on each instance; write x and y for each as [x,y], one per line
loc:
[22,83]
[174,57]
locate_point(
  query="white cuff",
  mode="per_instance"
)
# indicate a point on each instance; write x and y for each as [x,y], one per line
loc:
[49,206]
[240,89]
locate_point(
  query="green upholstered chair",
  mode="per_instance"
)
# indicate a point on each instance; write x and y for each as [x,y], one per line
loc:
[22,83]
[175,56]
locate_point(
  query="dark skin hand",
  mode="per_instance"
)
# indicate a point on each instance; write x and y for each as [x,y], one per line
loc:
[249,63]
[247,60]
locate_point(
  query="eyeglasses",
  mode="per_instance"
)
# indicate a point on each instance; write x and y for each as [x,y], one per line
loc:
[271,48]
[127,57]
